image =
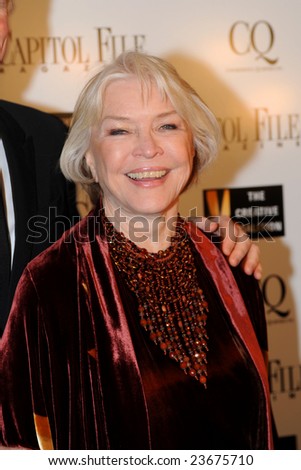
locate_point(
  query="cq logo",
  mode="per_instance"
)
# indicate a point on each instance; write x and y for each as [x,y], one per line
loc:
[273,283]
[258,37]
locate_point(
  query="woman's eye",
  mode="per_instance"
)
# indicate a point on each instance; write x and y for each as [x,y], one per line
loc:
[169,127]
[117,132]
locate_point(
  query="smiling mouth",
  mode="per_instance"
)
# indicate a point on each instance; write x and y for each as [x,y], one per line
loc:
[142,175]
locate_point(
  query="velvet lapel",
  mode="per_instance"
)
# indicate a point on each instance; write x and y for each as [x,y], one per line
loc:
[233,302]
[120,385]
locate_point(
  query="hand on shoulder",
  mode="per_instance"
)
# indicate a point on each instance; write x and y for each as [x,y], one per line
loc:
[236,243]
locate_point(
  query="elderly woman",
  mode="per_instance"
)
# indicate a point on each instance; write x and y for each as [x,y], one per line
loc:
[132,331]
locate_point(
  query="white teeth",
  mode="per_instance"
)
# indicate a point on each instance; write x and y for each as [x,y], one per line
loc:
[147,174]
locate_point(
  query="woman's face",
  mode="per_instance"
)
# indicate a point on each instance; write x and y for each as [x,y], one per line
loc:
[141,152]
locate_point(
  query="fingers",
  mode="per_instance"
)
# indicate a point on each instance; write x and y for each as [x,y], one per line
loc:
[236,243]
[238,247]
[251,264]
[206,224]
[243,251]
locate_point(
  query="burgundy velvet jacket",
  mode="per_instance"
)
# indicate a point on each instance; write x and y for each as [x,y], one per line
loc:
[73,376]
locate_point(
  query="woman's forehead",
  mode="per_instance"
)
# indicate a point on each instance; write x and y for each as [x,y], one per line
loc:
[144,87]
[131,92]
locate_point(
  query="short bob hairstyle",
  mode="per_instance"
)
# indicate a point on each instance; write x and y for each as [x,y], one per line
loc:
[149,70]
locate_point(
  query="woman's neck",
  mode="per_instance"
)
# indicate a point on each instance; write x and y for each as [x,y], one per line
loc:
[151,232]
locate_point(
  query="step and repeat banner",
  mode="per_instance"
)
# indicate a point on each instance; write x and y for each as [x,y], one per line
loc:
[244,60]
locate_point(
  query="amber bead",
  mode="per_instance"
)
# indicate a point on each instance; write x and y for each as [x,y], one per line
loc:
[183,365]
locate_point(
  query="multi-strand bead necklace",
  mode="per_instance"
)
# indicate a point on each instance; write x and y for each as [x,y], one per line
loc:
[171,305]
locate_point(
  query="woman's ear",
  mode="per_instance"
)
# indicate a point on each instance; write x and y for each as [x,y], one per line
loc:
[91,165]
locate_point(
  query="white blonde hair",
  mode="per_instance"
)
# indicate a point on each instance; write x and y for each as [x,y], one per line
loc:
[149,70]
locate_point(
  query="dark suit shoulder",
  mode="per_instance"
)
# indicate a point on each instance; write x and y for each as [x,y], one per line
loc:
[48,131]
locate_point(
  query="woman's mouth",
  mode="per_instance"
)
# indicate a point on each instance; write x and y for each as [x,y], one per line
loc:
[147,175]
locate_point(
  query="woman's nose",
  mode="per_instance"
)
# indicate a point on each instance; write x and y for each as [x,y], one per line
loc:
[147,146]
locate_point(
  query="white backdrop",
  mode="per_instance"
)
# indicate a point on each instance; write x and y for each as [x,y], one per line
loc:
[243,57]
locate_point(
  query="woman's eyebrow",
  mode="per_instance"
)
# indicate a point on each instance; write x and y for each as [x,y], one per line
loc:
[115,118]
[125,118]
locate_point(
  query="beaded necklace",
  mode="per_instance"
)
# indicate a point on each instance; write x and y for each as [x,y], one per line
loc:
[172,307]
